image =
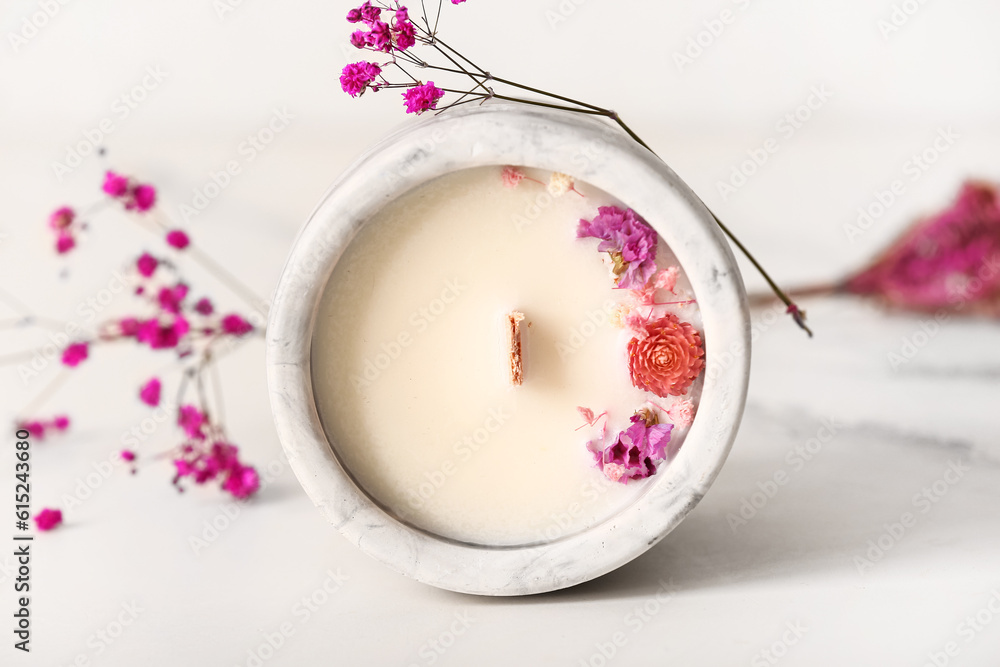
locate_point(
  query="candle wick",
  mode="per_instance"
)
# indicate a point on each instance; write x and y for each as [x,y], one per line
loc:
[514,319]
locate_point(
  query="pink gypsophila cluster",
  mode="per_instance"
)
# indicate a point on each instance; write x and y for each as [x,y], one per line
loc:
[61,221]
[48,519]
[178,239]
[357,77]
[38,428]
[398,34]
[203,459]
[75,354]
[635,452]
[421,98]
[629,239]
[149,393]
[135,196]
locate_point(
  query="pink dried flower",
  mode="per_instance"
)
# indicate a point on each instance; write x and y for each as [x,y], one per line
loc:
[667,357]
[359,39]
[75,353]
[34,427]
[115,185]
[128,326]
[62,218]
[178,239]
[404,33]
[162,336]
[220,459]
[457,2]
[172,298]
[149,393]
[356,77]
[630,241]
[235,325]
[192,420]
[511,176]
[146,264]
[369,14]
[64,243]
[143,197]
[421,98]
[948,261]
[354,16]
[242,481]
[128,455]
[635,451]
[380,36]
[681,413]
[38,428]
[204,307]
[48,519]
[667,278]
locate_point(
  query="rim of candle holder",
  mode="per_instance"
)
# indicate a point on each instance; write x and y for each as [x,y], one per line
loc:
[589,150]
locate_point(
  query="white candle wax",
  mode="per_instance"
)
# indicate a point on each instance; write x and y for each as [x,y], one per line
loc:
[409,372]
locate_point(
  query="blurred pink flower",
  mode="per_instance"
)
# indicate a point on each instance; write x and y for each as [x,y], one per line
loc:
[48,519]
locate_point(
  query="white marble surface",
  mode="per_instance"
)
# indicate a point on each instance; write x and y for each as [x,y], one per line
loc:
[729,595]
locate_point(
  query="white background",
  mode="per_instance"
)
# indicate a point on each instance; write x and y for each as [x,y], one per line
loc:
[732,592]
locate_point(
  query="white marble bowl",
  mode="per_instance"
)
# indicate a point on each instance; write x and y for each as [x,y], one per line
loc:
[591,151]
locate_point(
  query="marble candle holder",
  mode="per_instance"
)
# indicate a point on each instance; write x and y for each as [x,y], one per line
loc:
[591,151]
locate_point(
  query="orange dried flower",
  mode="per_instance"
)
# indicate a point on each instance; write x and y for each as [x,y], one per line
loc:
[666,356]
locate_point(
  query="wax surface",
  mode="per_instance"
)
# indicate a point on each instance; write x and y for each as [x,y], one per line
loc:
[410,373]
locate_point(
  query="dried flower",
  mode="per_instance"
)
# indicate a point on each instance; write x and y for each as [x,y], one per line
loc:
[559,184]
[667,278]
[192,420]
[948,261]
[115,185]
[178,239]
[146,264]
[39,427]
[356,77]
[219,459]
[128,455]
[511,176]
[172,298]
[681,413]
[143,197]
[635,451]
[62,218]
[421,98]
[48,519]
[162,336]
[149,393]
[204,307]
[75,353]
[666,356]
[628,239]
[64,243]
[236,325]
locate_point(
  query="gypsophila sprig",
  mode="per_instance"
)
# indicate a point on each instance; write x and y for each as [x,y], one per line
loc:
[169,319]
[402,42]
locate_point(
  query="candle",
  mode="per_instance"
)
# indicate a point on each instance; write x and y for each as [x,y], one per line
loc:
[412,358]
[393,360]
